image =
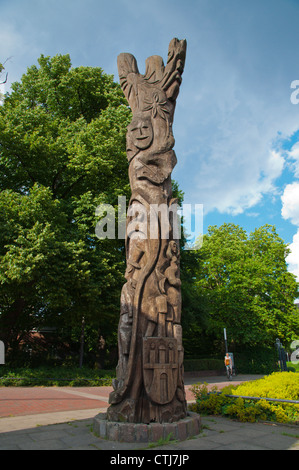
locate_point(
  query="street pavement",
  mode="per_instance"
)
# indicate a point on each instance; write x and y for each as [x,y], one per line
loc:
[61,418]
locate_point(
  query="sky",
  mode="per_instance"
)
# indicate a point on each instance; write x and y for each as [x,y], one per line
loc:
[237,116]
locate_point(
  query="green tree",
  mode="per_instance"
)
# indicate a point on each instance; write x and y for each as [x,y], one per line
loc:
[62,153]
[246,285]
[195,317]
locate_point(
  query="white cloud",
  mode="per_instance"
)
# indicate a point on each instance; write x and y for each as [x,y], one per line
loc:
[273,167]
[293,155]
[290,203]
[293,258]
[290,210]
[233,165]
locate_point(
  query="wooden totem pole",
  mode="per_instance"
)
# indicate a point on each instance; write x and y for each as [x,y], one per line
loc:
[149,385]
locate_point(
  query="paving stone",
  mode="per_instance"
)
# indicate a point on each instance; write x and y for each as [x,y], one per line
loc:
[74,430]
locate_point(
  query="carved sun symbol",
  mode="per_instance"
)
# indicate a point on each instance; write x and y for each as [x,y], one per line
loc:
[157,107]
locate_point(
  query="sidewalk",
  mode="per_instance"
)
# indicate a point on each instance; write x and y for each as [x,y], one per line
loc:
[41,418]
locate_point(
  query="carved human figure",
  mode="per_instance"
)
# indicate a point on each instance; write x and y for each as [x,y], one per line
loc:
[174,284]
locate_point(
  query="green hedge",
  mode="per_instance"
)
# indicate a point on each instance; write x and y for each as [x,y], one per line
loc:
[55,376]
[74,376]
[191,365]
[252,361]
[256,360]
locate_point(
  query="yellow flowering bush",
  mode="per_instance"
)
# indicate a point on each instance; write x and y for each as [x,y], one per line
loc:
[245,411]
[207,402]
[282,385]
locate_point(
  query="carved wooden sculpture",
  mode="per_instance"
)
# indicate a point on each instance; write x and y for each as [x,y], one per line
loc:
[149,385]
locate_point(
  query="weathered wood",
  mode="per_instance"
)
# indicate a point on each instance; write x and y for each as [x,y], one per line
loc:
[149,385]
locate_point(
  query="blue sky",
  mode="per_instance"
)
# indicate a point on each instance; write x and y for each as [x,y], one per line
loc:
[236,128]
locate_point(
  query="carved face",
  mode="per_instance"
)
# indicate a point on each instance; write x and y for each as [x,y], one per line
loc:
[173,246]
[140,133]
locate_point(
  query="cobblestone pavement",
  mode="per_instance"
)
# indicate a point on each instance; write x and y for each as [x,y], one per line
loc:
[217,434]
[61,418]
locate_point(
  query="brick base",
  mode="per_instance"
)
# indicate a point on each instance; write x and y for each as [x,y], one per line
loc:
[139,432]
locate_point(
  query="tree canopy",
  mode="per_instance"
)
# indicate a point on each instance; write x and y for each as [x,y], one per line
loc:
[62,153]
[245,286]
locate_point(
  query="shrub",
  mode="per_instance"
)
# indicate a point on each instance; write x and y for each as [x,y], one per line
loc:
[294,367]
[259,360]
[245,410]
[209,402]
[191,365]
[281,385]
[56,376]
